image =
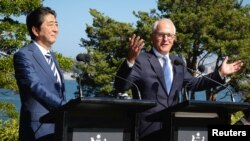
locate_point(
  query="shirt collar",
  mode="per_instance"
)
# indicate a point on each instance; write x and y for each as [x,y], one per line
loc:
[159,55]
[43,50]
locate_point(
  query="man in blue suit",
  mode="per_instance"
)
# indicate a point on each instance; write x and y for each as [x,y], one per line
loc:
[41,86]
[146,71]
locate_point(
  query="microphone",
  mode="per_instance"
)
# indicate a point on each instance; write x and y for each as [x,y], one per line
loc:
[180,62]
[136,87]
[86,58]
[83,57]
[201,68]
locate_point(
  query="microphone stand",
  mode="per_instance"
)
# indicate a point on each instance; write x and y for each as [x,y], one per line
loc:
[86,59]
[232,98]
[136,87]
[80,85]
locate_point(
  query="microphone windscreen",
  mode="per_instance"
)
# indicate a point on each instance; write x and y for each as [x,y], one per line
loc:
[83,57]
[80,57]
[201,68]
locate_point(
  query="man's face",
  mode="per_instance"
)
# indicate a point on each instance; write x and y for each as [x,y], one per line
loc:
[163,37]
[48,31]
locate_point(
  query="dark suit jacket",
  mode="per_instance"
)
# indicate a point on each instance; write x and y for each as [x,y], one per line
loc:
[147,74]
[39,92]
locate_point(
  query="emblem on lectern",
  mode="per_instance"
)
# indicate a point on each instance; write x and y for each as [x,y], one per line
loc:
[198,137]
[98,138]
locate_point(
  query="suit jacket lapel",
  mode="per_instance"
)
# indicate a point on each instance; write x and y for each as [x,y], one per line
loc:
[37,54]
[157,68]
[172,58]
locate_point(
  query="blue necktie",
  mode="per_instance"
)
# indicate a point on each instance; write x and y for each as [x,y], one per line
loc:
[53,66]
[167,74]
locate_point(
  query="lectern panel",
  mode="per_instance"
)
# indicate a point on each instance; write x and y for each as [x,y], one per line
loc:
[105,134]
[189,120]
[191,134]
[97,119]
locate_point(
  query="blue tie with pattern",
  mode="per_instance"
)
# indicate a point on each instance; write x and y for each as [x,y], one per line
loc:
[167,74]
[53,66]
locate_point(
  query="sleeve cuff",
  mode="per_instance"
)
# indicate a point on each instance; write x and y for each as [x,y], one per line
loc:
[130,65]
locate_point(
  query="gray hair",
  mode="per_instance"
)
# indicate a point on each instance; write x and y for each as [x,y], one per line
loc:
[154,26]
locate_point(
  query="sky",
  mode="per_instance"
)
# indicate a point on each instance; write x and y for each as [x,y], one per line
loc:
[73,15]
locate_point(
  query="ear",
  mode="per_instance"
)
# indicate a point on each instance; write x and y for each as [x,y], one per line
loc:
[35,31]
[175,38]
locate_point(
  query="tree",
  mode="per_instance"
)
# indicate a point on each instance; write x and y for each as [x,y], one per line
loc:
[13,35]
[65,63]
[204,28]
[12,32]
[211,27]
[9,125]
[107,44]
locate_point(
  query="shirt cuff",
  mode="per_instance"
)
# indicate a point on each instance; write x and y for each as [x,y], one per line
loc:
[130,64]
[222,77]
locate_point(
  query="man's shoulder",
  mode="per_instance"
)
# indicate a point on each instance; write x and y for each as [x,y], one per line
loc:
[25,49]
[146,54]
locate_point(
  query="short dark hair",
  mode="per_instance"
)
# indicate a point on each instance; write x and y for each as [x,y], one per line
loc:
[36,18]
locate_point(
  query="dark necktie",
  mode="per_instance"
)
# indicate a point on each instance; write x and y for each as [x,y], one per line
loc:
[167,74]
[53,66]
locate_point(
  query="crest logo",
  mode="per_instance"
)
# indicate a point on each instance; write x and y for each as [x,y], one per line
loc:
[98,138]
[198,137]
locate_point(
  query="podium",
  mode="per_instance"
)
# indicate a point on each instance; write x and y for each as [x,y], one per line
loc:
[189,120]
[97,119]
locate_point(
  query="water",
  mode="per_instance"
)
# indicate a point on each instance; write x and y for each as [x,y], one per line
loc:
[10,96]
[71,88]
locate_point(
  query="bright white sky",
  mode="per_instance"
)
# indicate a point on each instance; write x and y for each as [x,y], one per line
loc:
[73,15]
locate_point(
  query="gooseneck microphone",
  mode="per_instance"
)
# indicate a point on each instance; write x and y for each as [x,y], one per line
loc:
[180,62]
[136,87]
[86,58]
[83,57]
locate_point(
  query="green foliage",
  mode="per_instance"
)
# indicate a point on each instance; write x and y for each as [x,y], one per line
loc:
[98,76]
[7,74]
[9,130]
[108,43]
[13,35]
[203,28]
[236,117]
[65,63]
[108,36]
[18,7]
[9,126]
[144,26]
[211,27]
[12,32]
[8,110]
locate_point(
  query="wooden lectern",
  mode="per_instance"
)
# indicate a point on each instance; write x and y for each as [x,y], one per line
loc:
[97,119]
[189,120]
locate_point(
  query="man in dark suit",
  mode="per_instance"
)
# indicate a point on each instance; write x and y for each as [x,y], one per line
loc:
[146,71]
[39,77]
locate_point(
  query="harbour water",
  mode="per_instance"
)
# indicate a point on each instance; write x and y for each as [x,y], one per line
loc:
[71,88]
[12,97]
